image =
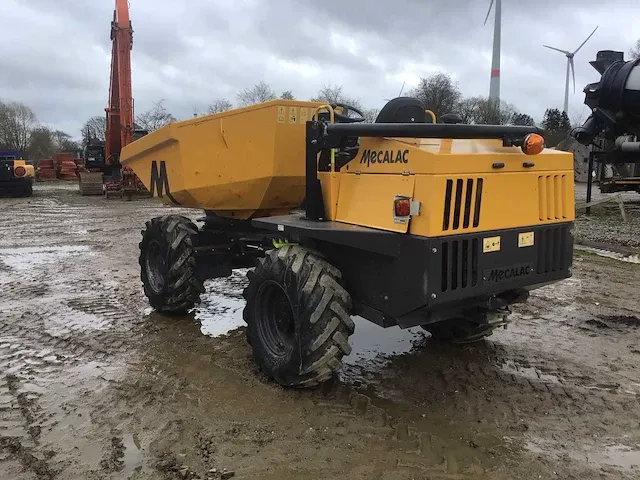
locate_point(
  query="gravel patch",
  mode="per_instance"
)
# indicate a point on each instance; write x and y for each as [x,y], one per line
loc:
[605,224]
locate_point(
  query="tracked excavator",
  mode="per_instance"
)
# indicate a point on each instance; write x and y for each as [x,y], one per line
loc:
[103,172]
[405,222]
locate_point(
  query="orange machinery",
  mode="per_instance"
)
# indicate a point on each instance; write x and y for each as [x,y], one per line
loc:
[120,131]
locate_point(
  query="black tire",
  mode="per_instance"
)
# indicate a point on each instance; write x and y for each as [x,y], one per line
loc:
[459,331]
[168,264]
[307,347]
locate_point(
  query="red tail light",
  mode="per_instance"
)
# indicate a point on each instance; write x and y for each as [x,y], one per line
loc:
[402,207]
[20,171]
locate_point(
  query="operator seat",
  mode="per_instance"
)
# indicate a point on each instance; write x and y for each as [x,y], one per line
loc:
[403,110]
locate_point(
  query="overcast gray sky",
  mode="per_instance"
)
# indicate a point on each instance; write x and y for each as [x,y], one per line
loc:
[56,53]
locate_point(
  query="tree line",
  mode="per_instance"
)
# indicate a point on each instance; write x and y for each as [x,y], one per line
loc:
[438,92]
[21,131]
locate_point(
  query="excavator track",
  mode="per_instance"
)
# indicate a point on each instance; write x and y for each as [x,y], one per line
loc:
[91,183]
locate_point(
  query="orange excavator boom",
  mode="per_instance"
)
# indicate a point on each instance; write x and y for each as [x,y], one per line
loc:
[119,129]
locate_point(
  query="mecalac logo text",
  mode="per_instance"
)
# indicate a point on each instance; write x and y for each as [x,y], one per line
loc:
[384,156]
[504,274]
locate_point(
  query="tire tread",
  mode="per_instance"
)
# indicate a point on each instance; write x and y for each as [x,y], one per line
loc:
[322,311]
[182,286]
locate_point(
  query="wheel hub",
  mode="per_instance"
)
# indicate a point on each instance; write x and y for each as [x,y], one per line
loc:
[156,266]
[275,319]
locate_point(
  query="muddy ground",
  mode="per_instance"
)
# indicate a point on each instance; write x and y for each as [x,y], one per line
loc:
[93,385]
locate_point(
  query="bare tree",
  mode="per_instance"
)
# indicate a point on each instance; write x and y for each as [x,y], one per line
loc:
[287,95]
[260,92]
[156,117]
[635,50]
[438,92]
[45,143]
[63,141]
[94,129]
[577,118]
[467,109]
[333,94]
[17,121]
[41,143]
[490,112]
[370,115]
[220,105]
[484,111]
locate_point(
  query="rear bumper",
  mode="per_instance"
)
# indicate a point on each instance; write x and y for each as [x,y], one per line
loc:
[466,269]
[410,280]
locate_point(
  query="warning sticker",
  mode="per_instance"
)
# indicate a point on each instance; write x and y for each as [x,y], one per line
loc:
[491,244]
[293,114]
[304,114]
[281,114]
[525,239]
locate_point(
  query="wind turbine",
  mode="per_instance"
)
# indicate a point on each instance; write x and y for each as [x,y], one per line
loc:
[570,56]
[494,86]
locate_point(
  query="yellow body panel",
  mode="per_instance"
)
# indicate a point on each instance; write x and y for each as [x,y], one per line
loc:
[243,162]
[525,190]
[367,200]
[250,162]
[330,182]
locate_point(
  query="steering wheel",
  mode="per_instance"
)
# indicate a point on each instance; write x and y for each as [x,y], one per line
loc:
[343,118]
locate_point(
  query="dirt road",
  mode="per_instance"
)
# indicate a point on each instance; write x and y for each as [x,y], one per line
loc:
[93,385]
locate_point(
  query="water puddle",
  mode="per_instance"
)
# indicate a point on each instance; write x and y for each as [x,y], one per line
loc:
[25,258]
[219,315]
[614,454]
[220,312]
[132,455]
[220,309]
[373,344]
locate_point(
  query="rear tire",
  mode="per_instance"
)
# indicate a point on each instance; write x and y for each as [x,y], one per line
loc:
[297,314]
[168,264]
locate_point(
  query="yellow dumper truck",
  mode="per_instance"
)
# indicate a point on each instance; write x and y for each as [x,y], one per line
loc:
[406,221]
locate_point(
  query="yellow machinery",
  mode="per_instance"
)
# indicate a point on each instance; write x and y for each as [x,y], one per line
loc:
[404,222]
[16,176]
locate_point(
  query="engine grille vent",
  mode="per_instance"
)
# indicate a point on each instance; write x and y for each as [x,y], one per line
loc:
[551,202]
[460,264]
[552,246]
[462,203]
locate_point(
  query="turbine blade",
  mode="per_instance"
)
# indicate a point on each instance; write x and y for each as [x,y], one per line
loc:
[573,72]
[557,49]
[581,45]
[488,12]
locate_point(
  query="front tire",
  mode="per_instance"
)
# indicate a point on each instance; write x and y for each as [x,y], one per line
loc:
[168,264]
[297,315]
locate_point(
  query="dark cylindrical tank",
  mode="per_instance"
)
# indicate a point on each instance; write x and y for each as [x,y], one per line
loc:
[614,100]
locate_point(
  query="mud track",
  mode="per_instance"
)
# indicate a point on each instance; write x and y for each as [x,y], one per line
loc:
[94,385]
